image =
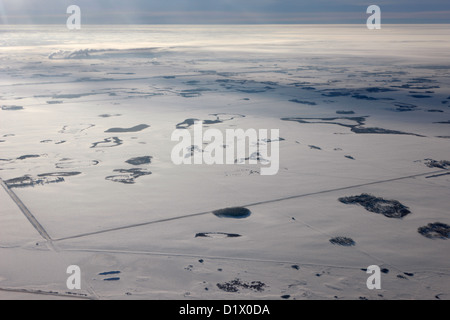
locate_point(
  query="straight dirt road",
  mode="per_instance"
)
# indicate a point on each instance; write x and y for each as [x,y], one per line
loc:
[26,212]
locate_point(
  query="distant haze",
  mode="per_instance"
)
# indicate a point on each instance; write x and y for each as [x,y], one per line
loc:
[223,11]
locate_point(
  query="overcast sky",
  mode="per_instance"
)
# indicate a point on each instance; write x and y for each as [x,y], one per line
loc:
[222,11]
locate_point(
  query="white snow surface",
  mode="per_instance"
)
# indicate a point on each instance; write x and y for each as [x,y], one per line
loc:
[75,85]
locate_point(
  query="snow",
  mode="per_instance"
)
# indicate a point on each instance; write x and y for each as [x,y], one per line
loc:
[74,86]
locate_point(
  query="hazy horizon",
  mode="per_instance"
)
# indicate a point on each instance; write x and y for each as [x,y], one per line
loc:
[224,12]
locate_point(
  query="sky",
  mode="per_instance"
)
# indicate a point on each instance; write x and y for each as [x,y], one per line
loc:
[223,11]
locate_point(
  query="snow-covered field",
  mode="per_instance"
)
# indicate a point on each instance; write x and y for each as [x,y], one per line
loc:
[360,112]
